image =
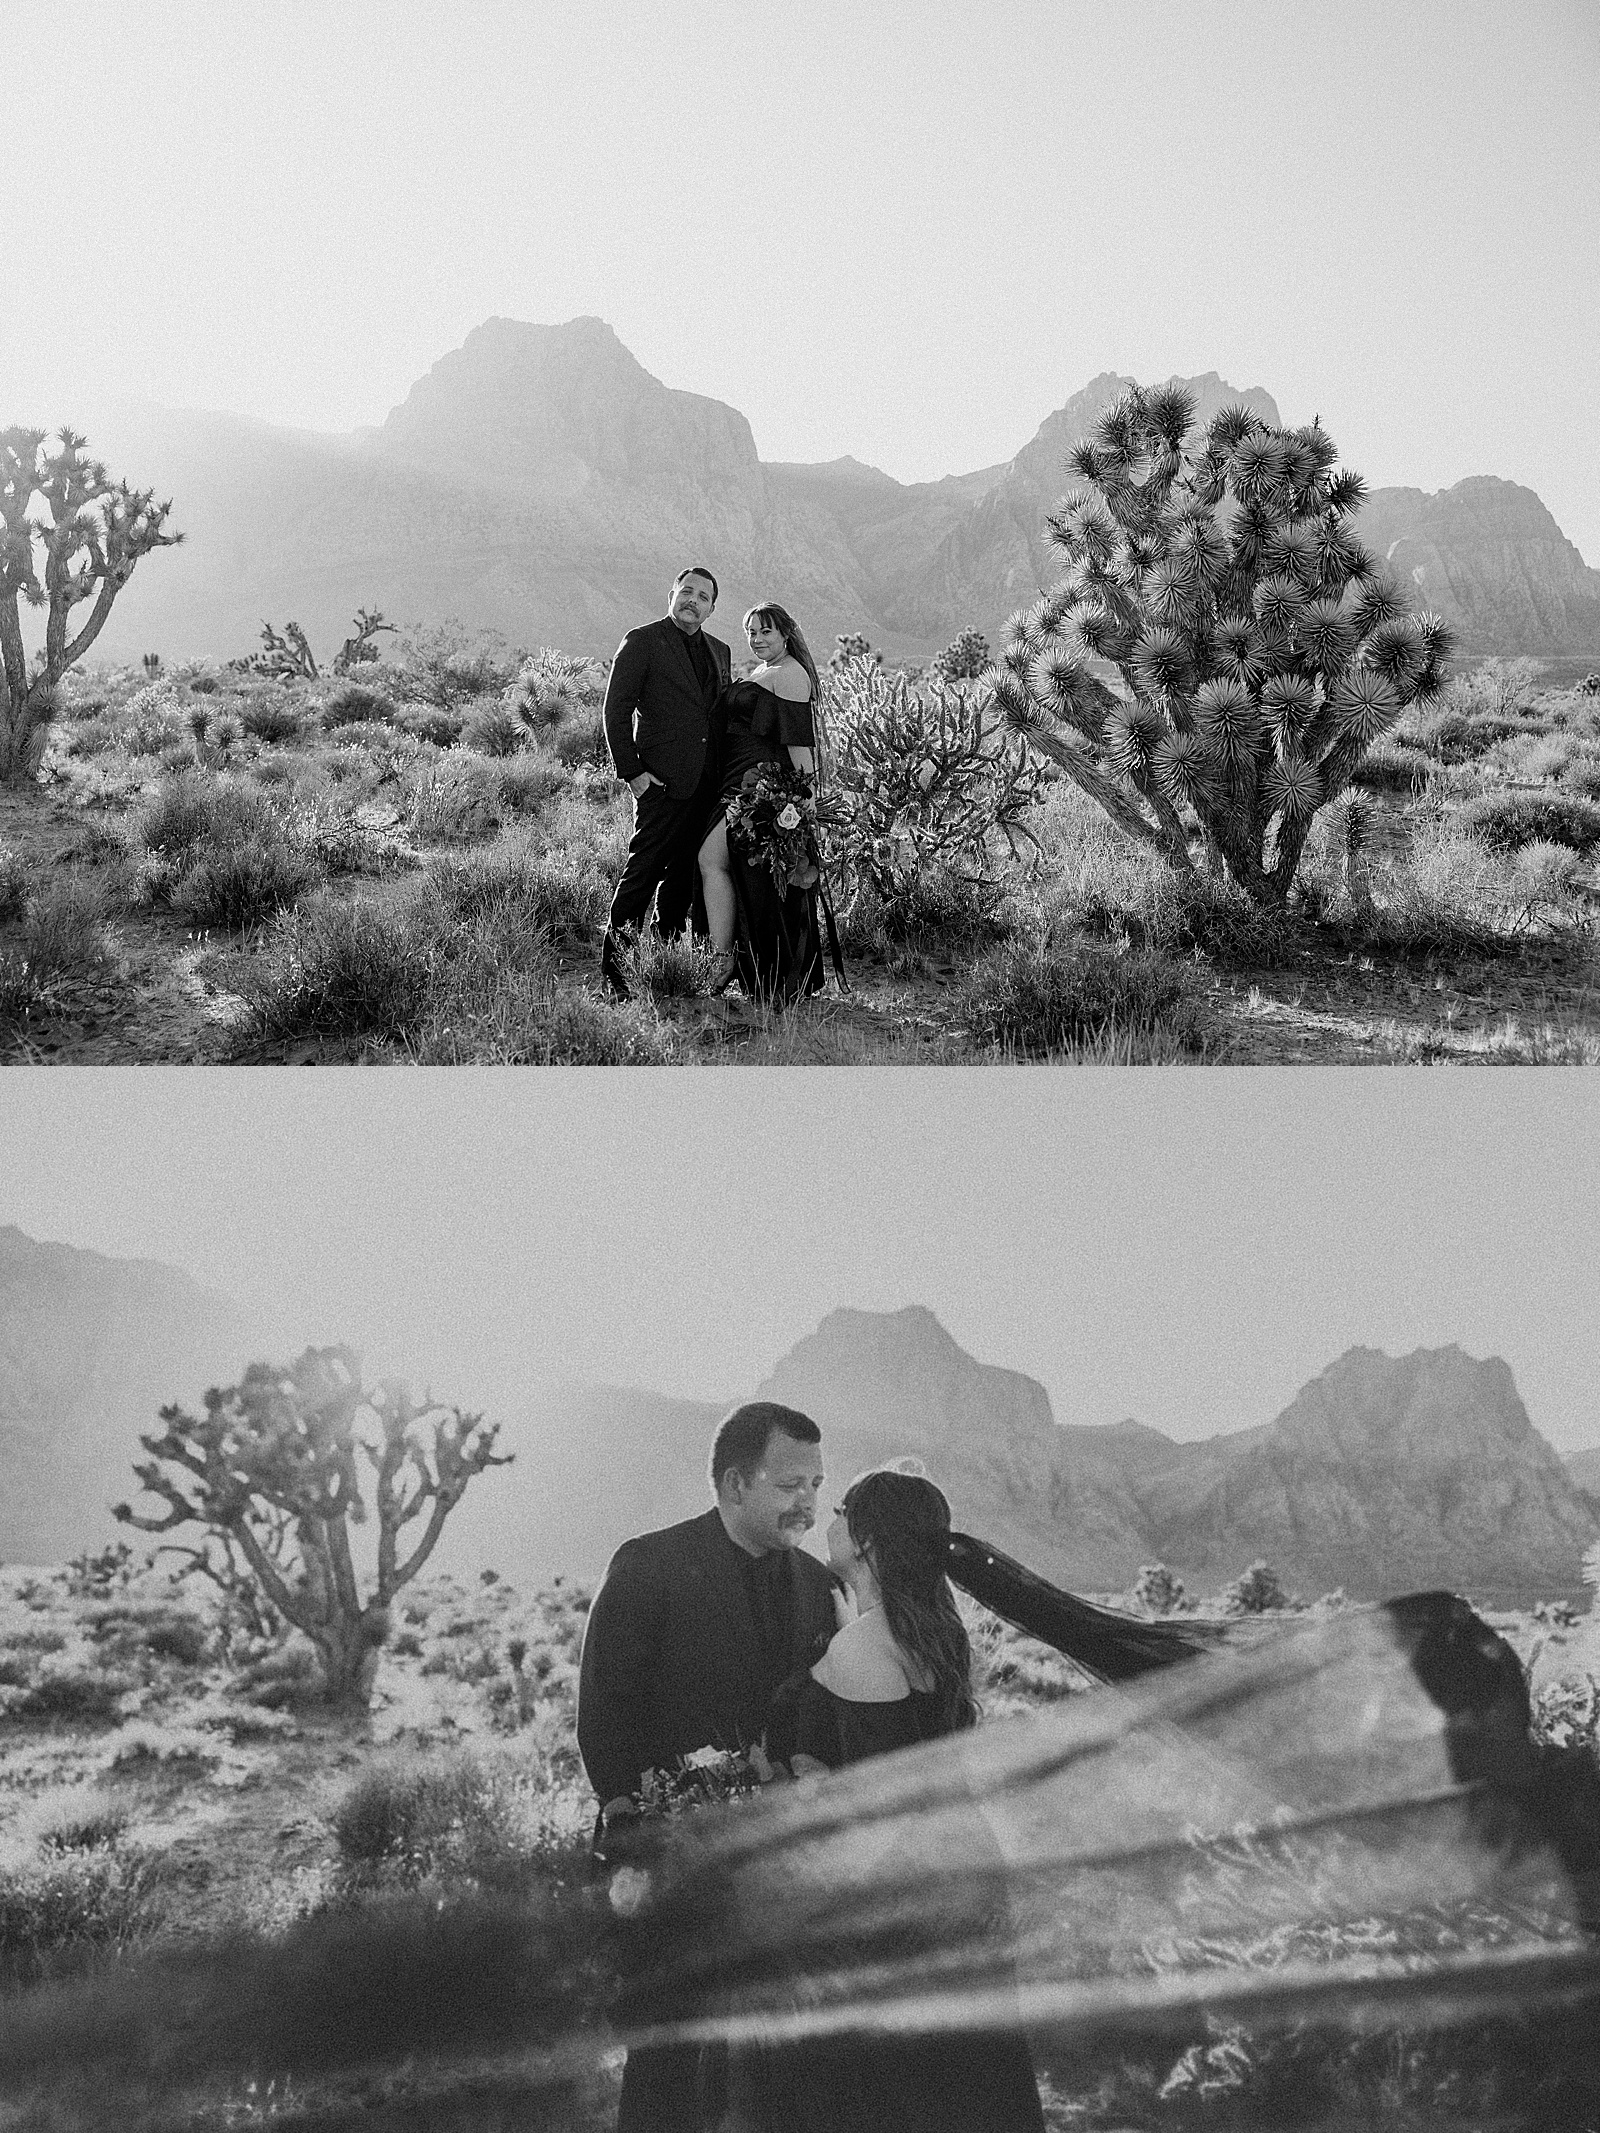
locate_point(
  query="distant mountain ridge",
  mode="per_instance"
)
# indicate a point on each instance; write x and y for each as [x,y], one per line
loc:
[91,1348]
[1384,1474]
[540,481]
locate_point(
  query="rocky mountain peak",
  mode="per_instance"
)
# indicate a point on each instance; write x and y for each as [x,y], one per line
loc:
[562,412]
[1438,1405]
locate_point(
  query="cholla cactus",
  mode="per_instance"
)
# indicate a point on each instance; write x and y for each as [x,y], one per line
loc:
[923,778]
[964,660]
[95,533]
[1262,648]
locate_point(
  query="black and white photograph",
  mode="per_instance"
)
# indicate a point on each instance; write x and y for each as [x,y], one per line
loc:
[561,1613]
[1029,569]
[873,532]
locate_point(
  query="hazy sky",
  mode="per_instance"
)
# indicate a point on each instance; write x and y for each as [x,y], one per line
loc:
[1188,1248]
[906,232]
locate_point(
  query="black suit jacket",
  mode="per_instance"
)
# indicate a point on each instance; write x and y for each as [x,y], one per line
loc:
[671,1657]
[656,716]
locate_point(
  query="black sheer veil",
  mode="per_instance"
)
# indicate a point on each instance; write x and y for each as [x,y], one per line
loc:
[1338,1827]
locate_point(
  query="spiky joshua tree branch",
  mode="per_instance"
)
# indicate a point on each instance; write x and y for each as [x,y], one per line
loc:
[1261,648]
[91,535]
[281,1454]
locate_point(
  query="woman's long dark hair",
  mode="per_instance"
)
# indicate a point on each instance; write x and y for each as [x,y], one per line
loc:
[1111,1646]
[772,616]
[901,1523]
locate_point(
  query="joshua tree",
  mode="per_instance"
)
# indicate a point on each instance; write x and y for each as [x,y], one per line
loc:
[358,650]
[272,1466]
[1261,646]
[93,534]
[283,658]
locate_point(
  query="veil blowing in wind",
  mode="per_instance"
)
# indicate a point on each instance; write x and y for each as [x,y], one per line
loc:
[1323,1879]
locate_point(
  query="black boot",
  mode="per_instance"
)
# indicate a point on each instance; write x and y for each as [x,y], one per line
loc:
[611,968]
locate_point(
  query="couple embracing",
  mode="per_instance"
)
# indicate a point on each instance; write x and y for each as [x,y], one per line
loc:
[724,1632]
[691,745]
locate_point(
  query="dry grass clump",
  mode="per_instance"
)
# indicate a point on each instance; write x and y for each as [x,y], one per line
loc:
[62,933]
[1505,821]
[216,852]
[1032,1002]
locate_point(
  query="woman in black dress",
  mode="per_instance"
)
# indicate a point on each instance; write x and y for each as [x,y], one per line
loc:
[898,1671]
[767,939]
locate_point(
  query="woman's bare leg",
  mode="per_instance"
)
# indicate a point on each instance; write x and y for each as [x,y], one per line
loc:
[722,907]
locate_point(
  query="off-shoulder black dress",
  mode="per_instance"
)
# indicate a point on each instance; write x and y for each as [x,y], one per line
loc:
[778,943]
[962,2082]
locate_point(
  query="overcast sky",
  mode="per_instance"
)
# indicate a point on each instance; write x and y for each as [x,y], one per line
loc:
[1185,1247]
[906,232]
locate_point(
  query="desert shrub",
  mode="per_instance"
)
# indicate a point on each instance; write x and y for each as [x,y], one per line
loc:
[38,1639]
[1452,735]
[1498,686]
[529,781]
[163,1631]
[76,1903]
[342,845]
[492,727]
[355,703]
[13,887]
[1392,765]
[1024,998]
[405,1808]
[1257,1591]
[1538,758]
[523,1017]
[676,969]
[63,933]
[938,913]
[1506,821]
[193,809]
[217,851]
[1158,1589]
[427,722]
[1546,876]
[341,969]
[92,1825]
[581,739]
[152,720]
[72,1693]
[447,666]
[551,892]
[457,801]
[270,718]
[282,1678]
[239,885]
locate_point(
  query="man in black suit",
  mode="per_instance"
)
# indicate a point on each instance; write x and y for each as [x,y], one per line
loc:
[689,1634]
[694,1626]
[664,681]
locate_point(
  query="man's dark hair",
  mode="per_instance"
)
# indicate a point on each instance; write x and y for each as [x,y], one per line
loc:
[697,570]
[742,1439]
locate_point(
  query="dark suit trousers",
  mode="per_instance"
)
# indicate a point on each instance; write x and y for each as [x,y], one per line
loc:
[663,855]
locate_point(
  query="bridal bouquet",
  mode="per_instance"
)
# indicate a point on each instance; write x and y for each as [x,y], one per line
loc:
[772,822]
[709,1777]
